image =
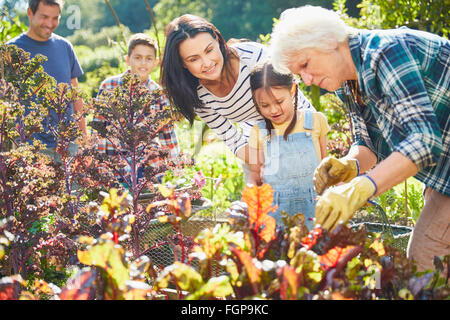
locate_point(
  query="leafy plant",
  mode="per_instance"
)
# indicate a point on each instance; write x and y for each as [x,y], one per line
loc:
[222,181]
[10,27]
[256,260]
[109,274]
[131,125]
[401,208]
[260,261]
[47,200]
[413,194]
[387,14]
[30,184]
[340,137]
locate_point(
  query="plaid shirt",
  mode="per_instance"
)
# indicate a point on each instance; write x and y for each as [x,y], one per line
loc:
[166,136]
[404,79]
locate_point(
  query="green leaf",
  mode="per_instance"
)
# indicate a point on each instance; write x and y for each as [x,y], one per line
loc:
[218,287]
[183,275]
[405,294]
[109,257]
[315,276]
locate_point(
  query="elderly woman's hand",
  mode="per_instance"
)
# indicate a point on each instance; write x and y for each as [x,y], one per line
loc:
[338,204]
[332,171]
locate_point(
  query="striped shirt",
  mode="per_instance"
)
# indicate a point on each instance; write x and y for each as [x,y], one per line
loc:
[404,79]
[166,137]
[237,107]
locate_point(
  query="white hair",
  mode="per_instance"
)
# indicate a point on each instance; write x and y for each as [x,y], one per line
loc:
[305,27]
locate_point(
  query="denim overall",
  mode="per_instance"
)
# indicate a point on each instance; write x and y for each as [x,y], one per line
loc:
[289,169]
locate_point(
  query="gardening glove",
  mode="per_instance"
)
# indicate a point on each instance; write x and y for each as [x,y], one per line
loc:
[332,171]
[341,202]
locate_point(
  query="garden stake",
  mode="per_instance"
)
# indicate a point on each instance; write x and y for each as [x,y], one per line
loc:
[113,12]
[406,199]
[118,23]
[1,64]
[149,8]
[212,185]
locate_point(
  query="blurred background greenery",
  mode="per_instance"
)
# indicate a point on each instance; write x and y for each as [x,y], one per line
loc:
[99,36]
[235,18]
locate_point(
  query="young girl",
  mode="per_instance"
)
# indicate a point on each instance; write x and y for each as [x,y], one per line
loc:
[287,145]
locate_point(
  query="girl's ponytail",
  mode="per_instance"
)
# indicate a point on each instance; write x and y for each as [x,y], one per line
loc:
[294,118]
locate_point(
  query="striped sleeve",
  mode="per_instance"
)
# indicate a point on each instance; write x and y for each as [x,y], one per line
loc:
[224,129]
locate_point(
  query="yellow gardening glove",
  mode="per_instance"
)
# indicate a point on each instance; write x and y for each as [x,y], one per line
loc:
[341,202]
[332,171]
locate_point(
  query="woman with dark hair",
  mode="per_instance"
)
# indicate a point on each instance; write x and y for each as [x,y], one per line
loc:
[205,76]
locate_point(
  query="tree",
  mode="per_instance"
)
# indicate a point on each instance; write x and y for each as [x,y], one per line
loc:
[95,14]
[167,10]
[236,19]
[12,6]
[280,5]
[133,14]
[426,15]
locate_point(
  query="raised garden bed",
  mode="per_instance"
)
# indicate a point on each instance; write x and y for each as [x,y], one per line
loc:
[158,235]
[397,235]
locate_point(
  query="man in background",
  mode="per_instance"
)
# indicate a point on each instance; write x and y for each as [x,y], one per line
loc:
[62,63]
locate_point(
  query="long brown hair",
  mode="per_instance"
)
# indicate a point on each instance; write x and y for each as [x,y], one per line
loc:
[263,76]
[180,84]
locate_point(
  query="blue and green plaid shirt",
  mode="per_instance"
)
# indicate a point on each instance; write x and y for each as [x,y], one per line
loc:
[404,84]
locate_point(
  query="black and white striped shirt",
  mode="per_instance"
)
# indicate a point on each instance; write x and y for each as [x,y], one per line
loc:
[220,113]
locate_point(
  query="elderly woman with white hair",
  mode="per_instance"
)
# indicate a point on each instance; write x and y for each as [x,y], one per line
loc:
[395,84]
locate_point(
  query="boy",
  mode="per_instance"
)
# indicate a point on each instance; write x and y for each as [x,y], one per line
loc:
[142,60]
